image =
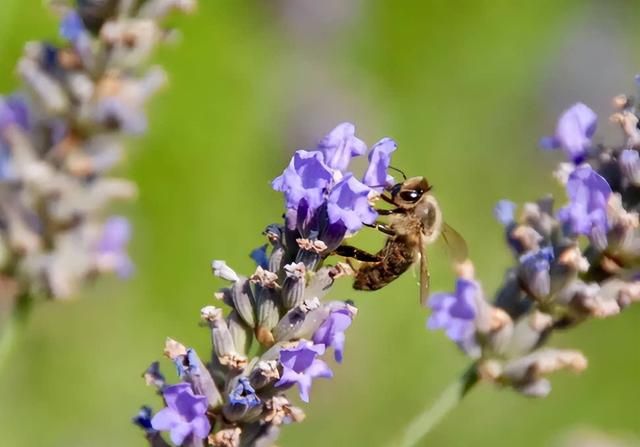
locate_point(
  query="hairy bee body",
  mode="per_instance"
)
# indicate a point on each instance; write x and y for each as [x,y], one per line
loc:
[417,222]
[397,255]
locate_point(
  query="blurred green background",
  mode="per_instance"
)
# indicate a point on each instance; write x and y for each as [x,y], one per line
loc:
[466,88]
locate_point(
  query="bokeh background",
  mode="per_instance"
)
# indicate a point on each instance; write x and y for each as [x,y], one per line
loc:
[466,88]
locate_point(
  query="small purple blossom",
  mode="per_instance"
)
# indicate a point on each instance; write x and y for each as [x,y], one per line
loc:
[72,27]
[340,145]
[307,177]
[587,209]
[573,133]
[376,175]
[184,415]
[13,112]
[259,256]
[455,313]
[331,331]
[300,366]
[348,203]
[504,212]
[143,419]
[112,247]
[244,395]
[535,271]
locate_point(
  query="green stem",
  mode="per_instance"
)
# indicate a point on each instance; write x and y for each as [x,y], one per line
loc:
[10,330]
[436,412]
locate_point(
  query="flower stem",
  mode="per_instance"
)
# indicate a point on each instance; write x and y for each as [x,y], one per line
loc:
[10,330]
[436,412]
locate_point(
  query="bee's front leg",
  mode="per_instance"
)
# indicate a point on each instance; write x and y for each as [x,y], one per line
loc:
[383,228]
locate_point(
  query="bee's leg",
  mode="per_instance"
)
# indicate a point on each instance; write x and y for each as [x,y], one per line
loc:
[387,199]
[360,255]
[390,212]
[382,228]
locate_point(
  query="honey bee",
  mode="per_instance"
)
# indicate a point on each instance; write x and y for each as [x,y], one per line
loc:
[414,223]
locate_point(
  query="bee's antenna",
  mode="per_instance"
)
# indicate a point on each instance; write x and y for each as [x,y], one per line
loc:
[398,170]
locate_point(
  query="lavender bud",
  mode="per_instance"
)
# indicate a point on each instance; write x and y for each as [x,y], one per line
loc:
[629,161]
[524,372]
[276,258]
[527,333]
[227,437]
[280,411]
[265,373]
[221,339]
[570,262]
[268,315]
[294,285]
[264,278]
[243,403]
[198,375]
[320,281]
[586,300]
[291,325]
[241,334]
[274,233]
[534,272]
[153,377]
[222,270]
[95,12]
[536,388]
[243,302]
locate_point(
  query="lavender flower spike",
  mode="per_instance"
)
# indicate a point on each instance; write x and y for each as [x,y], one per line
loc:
[262,347]
[573,134]
[300,366]
[184,416]
[588,194]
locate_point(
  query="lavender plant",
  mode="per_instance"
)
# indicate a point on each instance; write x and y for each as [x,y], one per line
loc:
[61,134]
[571,265]
[277,328]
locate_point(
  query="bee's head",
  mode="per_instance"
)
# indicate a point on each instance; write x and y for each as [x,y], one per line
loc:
[410,191]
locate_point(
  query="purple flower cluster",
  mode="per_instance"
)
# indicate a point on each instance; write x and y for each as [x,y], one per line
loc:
[559,280]
[324,200]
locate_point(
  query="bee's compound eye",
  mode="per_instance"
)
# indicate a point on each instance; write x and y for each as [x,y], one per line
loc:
[411,196]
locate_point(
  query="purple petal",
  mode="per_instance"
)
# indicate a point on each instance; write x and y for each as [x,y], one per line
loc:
[172,392]
[72,27]
[304,386]
[116,234]
[505,211]
[319,369]
[339,145]
[201,427]
[349,204]
[166,419]
[376,175]
[575,128]
[180,432]
[306,177]
[588,195]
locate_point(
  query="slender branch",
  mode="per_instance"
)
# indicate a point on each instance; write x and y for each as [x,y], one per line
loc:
[436,412]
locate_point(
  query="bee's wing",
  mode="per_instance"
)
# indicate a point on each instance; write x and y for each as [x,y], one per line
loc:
[424,274]
[457,246]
